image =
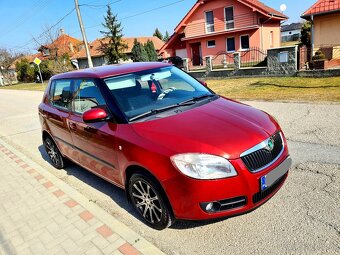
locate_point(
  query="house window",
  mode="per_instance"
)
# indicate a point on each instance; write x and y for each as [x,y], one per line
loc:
[271,39]
[211,44]
[229,17]
[231,44]
[209,22]
[245,42]
[46,52]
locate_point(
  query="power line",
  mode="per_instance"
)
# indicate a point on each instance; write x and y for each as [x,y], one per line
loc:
[151,10]
[90,27]
[141,13]
[23,18]
[99,6]
[46,31]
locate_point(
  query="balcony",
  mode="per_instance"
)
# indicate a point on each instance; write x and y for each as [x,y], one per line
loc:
[200,28]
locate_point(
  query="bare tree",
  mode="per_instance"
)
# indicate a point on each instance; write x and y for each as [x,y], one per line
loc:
[48,36]
[58,62]
[6,60]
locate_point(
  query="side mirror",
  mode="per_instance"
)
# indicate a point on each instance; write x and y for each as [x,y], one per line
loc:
[95,115]
[204,83]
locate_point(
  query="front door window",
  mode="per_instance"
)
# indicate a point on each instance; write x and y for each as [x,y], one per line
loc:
[86,96]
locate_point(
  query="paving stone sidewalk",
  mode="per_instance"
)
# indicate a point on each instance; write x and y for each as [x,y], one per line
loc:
[40,214]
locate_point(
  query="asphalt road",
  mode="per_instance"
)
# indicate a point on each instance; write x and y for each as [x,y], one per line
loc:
[302,218]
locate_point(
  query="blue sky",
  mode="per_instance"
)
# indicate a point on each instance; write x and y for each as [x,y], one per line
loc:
[21,20]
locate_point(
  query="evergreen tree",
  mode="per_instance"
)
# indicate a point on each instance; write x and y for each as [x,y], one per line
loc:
[138,52]
[166,36]
[306,34]
[151,51]
[158,34]
[114,48]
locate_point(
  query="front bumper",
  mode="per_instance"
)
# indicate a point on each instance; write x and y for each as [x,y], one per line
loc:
[230,196]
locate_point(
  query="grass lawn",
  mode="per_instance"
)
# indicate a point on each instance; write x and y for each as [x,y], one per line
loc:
[273,88]
[279,88]
[26,86]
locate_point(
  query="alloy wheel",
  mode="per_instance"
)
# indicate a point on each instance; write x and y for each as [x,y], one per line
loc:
[54,153]
[149,202]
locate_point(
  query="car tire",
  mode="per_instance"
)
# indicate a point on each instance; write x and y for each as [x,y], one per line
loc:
[147,199]
[57,159]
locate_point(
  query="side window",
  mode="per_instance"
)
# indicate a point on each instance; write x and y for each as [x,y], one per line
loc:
[61,94]
[86,96]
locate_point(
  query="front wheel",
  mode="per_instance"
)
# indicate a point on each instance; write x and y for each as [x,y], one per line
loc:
[149,202]
[57,159]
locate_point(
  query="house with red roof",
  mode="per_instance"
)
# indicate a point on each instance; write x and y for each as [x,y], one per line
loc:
[325,17]
[98,57]
[325,36]
[63,44]
[213,26]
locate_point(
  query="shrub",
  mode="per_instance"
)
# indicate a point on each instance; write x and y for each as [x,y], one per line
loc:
[318,56]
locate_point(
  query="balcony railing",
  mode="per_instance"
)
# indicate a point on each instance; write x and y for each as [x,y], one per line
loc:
[201,28]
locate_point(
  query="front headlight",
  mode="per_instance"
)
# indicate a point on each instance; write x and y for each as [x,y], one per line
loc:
[203,166]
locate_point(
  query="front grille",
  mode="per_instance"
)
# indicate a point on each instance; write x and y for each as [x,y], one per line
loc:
[259,196]
[256,160]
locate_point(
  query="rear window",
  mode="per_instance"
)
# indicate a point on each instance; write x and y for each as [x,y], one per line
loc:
[61,94]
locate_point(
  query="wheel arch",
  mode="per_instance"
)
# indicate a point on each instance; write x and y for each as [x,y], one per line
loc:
[46,134]
[135,169]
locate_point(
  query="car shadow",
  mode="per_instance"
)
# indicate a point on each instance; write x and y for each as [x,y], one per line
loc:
[117,194]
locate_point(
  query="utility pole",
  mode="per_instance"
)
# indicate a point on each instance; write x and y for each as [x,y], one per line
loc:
[89,60]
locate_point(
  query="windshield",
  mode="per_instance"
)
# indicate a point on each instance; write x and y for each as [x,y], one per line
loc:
[151,91]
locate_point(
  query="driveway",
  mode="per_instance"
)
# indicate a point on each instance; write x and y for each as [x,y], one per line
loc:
[303,217]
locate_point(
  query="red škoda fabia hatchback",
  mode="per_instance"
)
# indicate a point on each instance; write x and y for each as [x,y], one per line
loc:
[179,150]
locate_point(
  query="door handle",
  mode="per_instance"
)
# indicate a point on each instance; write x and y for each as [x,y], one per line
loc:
[73,126]
[90,129]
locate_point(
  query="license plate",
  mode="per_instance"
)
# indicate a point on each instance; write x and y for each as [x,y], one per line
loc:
[269,179]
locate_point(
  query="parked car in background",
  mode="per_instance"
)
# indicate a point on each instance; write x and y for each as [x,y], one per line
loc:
[179,150]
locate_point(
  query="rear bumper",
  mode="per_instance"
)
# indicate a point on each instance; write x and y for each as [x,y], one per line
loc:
[231,196]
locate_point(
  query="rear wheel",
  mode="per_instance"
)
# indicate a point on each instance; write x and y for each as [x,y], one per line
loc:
[57,159]
[148,201]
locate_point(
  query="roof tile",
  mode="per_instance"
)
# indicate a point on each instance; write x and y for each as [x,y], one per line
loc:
[97,44]
[322,6]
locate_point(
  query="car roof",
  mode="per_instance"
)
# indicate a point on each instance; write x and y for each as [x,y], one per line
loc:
[110,70]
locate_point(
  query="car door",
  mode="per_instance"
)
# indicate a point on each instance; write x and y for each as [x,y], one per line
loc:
[57,113]
[95,142]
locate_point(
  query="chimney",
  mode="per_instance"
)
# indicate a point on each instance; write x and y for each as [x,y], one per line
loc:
[62,32]
[71,47]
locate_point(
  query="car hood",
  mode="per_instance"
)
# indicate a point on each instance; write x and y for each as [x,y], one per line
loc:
[221,127]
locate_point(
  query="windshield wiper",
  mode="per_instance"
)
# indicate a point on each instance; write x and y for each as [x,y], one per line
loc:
[158,110]
[163,109]
[195,99]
